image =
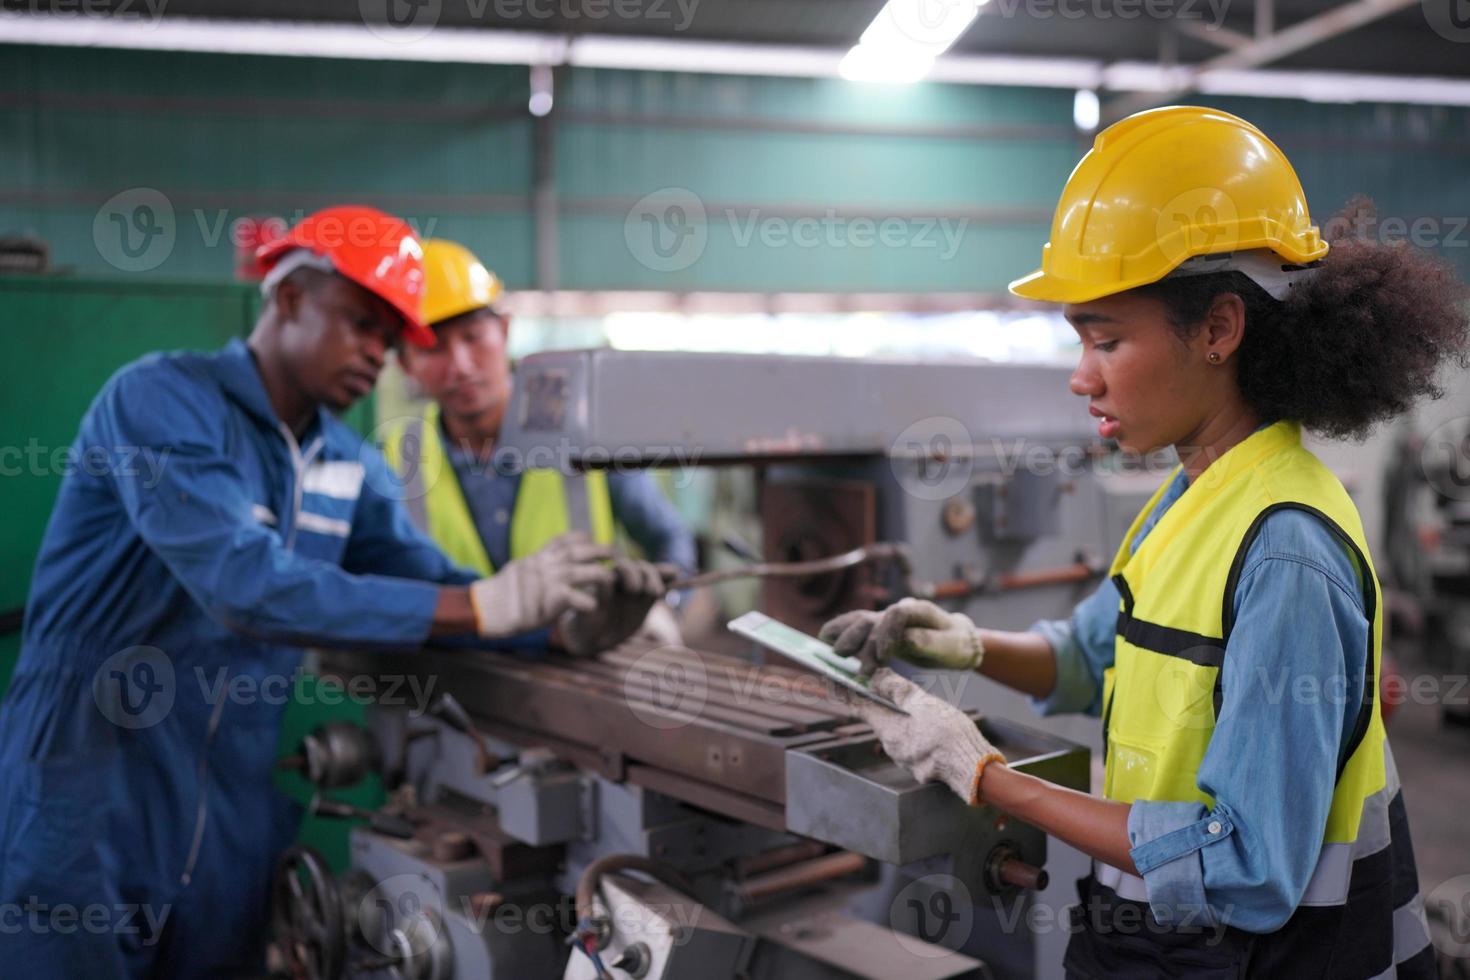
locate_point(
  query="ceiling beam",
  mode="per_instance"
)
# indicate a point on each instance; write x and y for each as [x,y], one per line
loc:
[1264,50]
[1222,37]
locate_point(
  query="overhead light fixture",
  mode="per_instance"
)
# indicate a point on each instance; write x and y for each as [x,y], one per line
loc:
[867,64]
[902,42]
[1086,110]
[541,90]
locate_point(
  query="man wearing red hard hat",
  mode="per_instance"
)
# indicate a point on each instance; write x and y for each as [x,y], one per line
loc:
[138,736]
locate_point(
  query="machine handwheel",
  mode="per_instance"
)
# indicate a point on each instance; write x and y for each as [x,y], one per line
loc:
[306,915]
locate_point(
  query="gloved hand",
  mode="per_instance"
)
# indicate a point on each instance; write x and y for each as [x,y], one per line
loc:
[935,741]
[532,592]
[621,607]
[911,629]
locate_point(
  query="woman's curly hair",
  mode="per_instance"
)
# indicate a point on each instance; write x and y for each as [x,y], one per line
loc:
[1355,345]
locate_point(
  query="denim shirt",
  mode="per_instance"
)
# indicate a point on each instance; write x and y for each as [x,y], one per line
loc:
[1293,681]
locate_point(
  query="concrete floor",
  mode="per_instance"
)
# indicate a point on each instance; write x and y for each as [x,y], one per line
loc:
[1434,766]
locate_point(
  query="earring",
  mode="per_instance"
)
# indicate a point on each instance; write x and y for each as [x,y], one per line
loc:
[1214,357]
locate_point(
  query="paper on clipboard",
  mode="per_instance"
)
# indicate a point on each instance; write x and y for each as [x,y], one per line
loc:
[809,652]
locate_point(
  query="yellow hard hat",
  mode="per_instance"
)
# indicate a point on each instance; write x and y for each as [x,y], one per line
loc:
[455,281]
[1163,186]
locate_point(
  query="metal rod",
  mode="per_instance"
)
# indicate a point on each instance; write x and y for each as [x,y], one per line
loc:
[802,875]
[779,857]
[880,551]
[1065,575]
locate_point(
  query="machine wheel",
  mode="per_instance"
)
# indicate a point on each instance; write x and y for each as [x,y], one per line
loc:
[306,916]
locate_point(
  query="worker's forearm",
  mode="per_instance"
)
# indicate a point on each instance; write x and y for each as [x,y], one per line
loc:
[1096,827]
[1024,661]
[453,613]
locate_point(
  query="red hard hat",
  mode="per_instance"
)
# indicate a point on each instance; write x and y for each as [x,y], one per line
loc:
[375,250]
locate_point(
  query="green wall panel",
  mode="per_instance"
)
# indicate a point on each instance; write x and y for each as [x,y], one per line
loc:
[453,149]
[973,257]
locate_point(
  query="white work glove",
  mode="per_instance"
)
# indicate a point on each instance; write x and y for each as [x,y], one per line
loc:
[621,607]
[911,629]
[532,592]
[935,741]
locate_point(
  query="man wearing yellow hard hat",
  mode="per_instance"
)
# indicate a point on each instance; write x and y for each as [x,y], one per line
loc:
[480,517]
[1250,821]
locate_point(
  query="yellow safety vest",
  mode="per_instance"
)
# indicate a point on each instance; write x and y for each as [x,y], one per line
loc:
[1162,694]
[436,502]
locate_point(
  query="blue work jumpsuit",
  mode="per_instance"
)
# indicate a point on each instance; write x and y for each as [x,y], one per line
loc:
[170,602]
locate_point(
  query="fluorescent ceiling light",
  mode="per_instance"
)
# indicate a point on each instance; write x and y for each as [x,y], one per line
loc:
[1086,110]
[868,64]
[902,42]
[927,26]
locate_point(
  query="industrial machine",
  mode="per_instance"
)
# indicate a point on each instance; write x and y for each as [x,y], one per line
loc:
[668,812]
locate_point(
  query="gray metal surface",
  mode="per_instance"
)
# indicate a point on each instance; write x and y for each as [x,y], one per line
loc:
[812,942]
[846,793]
[407,882]
[678,936]
[593,408]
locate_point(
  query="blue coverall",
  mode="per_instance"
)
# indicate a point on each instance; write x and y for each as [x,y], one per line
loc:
[138,821]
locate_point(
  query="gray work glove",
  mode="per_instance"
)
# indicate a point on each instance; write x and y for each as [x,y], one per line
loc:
[532,592]
[915,630]
[621,607]
[935,741]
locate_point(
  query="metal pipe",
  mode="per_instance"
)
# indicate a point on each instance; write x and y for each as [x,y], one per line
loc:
[1077,572]
[1004,870]
[880,551]
[802,875]
[592,875]
[779,857]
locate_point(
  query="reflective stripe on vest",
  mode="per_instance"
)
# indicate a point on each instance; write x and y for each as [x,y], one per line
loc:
[547,503]
[1176,611]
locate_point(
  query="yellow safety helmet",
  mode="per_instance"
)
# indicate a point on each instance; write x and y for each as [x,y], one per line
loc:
[1164,186]
[455,281]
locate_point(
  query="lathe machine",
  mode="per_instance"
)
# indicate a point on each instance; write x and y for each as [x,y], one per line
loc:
[667,812]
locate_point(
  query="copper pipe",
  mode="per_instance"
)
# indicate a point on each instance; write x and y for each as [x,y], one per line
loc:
[802,875]
[1065,575]
[779,857]
[1019,874]
[612,863]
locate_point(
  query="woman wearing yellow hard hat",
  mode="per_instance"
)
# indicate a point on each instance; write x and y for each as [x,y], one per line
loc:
[1250,822]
